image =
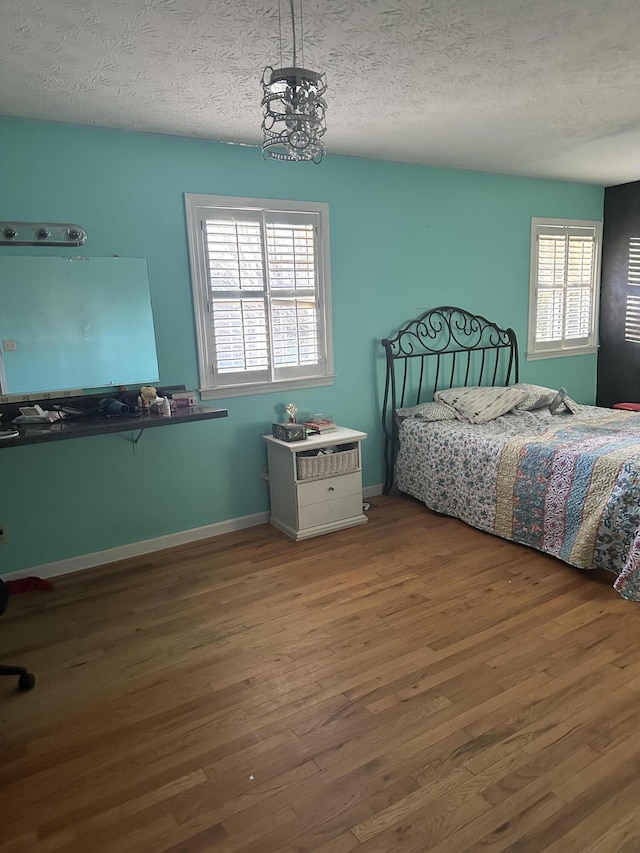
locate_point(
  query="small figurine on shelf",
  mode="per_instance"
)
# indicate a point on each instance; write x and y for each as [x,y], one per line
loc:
[291,409]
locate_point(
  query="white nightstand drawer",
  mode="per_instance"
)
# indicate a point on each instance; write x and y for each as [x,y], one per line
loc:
[329,489]
[336,509]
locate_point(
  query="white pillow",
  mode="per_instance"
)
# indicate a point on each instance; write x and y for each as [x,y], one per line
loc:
[450,396]
[428,412]
[479,405]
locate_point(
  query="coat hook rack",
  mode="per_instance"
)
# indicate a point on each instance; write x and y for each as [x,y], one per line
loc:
[41,234]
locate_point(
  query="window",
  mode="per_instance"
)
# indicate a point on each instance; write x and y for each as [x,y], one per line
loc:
[565,282]
[632,313]
[262,295]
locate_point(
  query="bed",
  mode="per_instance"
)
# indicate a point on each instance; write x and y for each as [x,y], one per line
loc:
[566,483]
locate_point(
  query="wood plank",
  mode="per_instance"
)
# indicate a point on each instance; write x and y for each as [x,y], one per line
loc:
[410,684]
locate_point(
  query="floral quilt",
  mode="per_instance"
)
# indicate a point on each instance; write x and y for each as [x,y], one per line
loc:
[568,485]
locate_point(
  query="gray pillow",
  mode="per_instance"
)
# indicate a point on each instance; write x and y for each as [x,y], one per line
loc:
[538,397]
[428,412]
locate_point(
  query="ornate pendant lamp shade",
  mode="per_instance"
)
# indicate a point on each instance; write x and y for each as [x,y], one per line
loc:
[294,108]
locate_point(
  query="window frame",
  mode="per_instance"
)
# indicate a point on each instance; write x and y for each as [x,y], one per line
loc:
[537,350]
[198,208]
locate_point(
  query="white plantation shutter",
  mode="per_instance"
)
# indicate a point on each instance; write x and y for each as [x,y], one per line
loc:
[240,334]
[236,279]
[632,316]
[295,332]
[550,298]
[291,255]
[580,275]
[234,249]
[291,260]
[564,287]
[265,291]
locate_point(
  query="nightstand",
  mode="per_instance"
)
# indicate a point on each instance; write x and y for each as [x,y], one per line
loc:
[316,494]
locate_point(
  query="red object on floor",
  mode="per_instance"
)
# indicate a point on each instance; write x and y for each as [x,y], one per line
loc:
[27,585]
[628,407]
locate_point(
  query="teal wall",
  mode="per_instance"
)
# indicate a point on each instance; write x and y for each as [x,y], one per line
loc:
[404,238]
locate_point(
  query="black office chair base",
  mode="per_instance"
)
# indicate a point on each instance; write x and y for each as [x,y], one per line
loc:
[26,679]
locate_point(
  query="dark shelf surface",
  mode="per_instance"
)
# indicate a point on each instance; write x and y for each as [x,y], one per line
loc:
[103,425]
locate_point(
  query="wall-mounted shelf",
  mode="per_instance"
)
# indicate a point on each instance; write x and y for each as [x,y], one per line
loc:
[99,425]
[95,423]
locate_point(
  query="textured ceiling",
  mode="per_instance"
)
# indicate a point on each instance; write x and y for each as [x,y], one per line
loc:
[545,88]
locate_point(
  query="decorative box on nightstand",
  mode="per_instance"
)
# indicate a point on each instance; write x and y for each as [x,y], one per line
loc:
[289,432]
[313,494]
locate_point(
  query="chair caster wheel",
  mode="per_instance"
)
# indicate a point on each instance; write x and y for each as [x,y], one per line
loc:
[27,681]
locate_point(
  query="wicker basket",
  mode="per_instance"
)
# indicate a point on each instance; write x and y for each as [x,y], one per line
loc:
[325,465]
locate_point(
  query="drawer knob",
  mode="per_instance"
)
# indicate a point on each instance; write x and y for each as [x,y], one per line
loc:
[331,489]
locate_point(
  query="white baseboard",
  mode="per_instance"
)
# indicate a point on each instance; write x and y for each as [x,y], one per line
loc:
[372,491]
[136,549]
[148,546]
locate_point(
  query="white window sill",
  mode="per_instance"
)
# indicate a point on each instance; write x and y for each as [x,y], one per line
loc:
[560,353]
[265,387]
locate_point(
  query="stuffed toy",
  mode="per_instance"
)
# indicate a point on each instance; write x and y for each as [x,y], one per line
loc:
[149,400]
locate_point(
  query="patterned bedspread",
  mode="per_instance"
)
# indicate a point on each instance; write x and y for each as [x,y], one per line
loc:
[568,485]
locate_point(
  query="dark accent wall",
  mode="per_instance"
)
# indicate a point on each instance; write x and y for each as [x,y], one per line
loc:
[618,360]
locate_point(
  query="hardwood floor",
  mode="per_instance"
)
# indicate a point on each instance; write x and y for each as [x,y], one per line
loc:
[409,685]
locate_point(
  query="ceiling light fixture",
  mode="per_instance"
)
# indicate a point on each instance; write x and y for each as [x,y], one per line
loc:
[294,107]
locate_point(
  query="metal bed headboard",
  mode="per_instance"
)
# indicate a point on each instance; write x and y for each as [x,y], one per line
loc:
[467,349]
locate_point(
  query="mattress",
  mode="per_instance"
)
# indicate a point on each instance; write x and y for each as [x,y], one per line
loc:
[568,485]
